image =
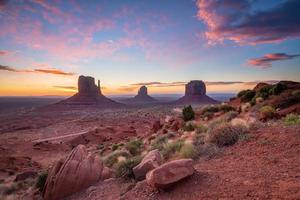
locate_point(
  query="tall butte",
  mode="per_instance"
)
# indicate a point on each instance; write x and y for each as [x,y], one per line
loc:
[143,96]
[89,94]
[195,93]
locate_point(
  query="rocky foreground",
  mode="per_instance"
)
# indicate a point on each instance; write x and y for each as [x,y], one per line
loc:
[245,149]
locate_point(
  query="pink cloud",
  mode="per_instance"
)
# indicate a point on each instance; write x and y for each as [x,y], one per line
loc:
[266,60]
[236,21]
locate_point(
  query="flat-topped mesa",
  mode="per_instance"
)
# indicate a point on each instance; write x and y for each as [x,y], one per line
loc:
[195,93]
[195,87]
[86,86]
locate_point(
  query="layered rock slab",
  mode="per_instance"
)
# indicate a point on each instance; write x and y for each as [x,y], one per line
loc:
[78,171]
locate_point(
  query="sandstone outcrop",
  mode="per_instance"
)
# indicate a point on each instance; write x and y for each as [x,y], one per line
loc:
[78,171]
[152,160]
[170,173]
[89,94]
[195,93]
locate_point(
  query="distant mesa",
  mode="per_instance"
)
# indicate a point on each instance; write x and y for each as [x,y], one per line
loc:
[89,94]
[143,96]
[195,93]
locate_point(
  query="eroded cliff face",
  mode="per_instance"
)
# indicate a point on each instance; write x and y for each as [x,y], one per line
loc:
[86,86]
[196,87]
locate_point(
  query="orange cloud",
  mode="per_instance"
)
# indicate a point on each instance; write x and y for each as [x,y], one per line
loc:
[266,60]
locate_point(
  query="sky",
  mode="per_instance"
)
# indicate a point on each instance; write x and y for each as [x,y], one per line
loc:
[230,44]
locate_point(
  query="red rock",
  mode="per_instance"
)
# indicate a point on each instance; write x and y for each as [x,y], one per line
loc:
[152,160]
[26,175]
[78,171]
[156,126]
[169,173]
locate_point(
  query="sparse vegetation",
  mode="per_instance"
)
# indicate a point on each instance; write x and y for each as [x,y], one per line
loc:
[188,127]
[124,168]
[41,181]
[111,159]
[277,89]
[134,146]
[248,95]
[171,148]
[159,142]
[114,147]
[188,151]
[188,113]
[267,112]
[226,108]
[291,120]
[226,134]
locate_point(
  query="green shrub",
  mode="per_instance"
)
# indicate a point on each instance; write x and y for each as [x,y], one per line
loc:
[267,112]
[264,92]
[288,101]
[134,146]
[226,108]
[242,93]
[114,147]
[291,120]
[210,109]
[125,168]
[41,181]
[248,95]
[277,89]
[226,134]
[112,158]
[188,113]
[188,151]
[171,148]
[188,127]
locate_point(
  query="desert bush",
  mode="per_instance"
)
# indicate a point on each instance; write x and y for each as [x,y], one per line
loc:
[296,92]
[248,95]
[188,151]
[159,142]
[41,181]
[226,134]
[230,115]
[134,146]
[207,150]
[171,148]
[124,169]
[114,147]
[277,89]
[201,128]
[264,92]
[188,113]
[267,112]
[112,158]
[242,93]
[226,108]
[188,127]
[291,120]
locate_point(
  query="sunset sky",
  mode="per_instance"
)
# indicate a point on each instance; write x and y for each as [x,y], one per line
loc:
[231,45]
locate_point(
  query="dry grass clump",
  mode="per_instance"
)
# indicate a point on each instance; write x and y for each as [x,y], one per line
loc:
[188,151]
[134,146]
[171,148]
[111,159]
[226,134]
[124,169]
[188,127]
[291,120]
[267,112]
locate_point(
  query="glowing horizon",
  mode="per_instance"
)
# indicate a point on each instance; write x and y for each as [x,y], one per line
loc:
[45,45]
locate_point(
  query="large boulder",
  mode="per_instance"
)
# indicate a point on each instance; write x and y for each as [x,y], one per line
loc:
[78,171]
[152,160]
[196,87]
[170,173]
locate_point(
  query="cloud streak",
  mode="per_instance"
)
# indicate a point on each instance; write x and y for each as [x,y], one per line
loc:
[237,20]
[266,60]
[46,71]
